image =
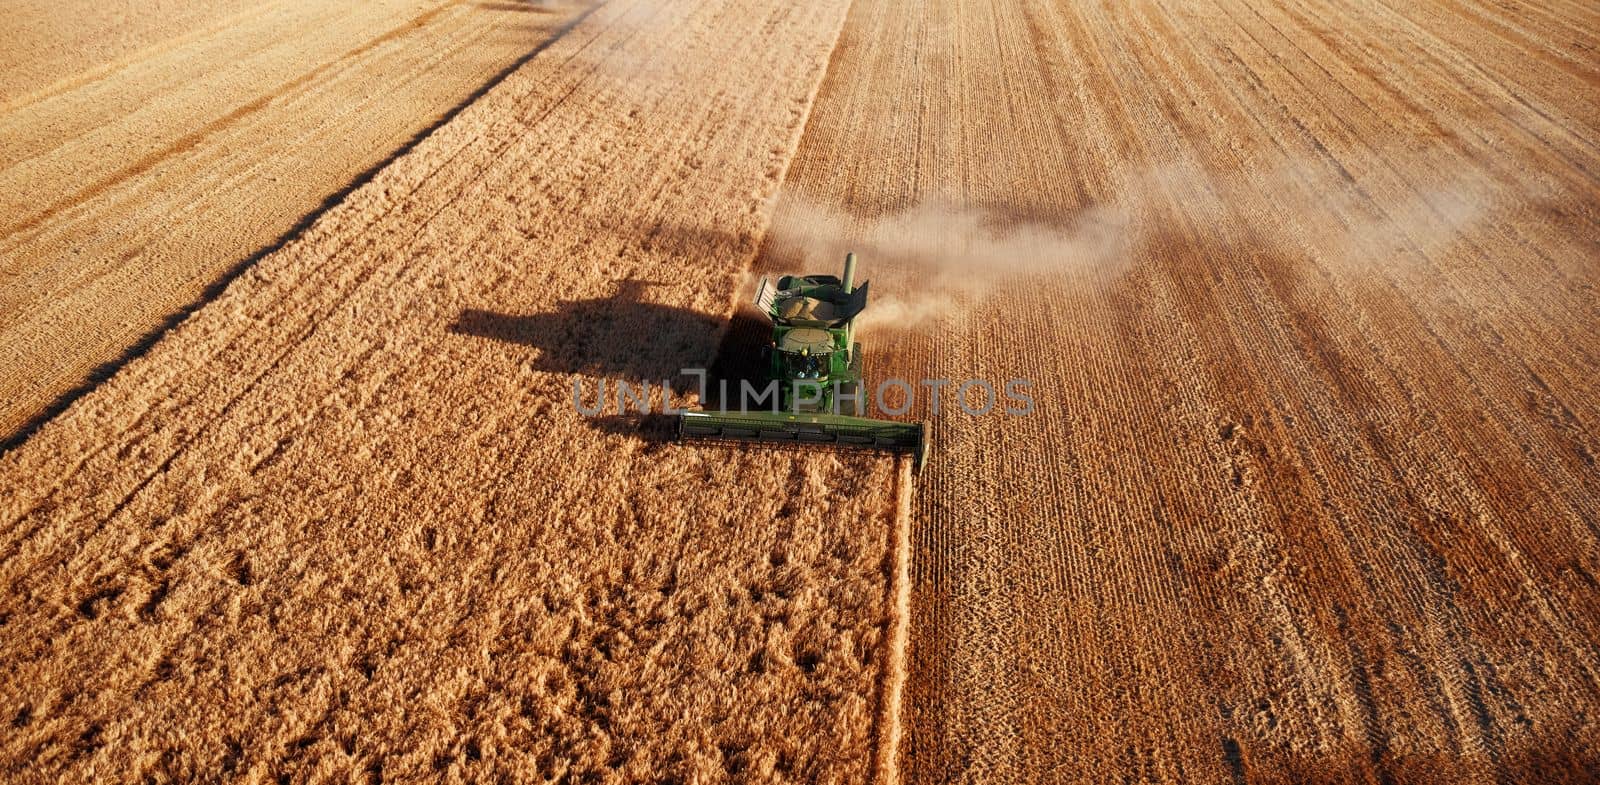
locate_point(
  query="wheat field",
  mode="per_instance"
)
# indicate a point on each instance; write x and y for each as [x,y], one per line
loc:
[149,155]
[1303,295]
[1307,296]
[217,584]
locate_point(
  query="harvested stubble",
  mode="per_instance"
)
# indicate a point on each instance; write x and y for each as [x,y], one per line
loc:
[148,153]
[1308,295]
[345,522]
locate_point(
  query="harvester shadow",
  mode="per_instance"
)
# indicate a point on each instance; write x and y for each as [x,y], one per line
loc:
[625,338]
[144,343]
[652,429]
[740,357]
[621,337]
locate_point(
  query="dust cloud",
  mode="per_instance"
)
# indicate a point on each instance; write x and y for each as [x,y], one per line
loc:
[1393,220]
[939,259]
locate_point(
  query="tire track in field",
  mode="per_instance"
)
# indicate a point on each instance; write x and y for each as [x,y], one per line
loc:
[368,271]
[43,56]
[164,375]
[233,187]
[370,278]
[188,142]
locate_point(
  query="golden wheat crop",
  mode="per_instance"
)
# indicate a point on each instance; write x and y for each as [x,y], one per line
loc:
[344,521]
[1304,294]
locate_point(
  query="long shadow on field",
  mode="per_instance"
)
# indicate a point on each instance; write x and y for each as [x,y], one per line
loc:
[652,429]
[626,338]
[145,342]
[621,337]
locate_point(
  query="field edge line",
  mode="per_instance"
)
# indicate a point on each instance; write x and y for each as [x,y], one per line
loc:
[895,669]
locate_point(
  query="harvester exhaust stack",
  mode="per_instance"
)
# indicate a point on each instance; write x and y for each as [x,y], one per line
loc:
[813,368]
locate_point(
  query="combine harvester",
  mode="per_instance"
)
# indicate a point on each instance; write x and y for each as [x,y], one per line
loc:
[813,367]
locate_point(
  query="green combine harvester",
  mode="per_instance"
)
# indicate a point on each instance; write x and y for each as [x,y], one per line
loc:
[813,374]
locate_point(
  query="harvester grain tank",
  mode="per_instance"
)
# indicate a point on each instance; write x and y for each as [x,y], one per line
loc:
[814,363]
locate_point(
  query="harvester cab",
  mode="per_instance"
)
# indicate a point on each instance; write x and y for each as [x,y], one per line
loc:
[813,355]
[813,367]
